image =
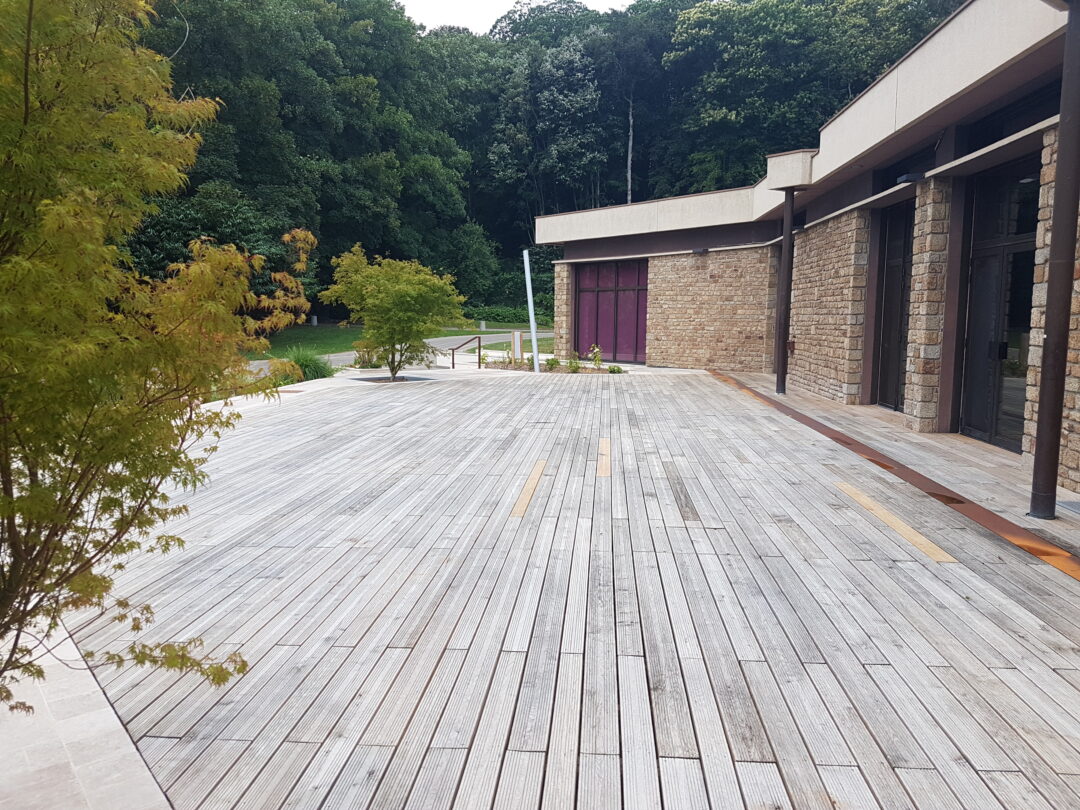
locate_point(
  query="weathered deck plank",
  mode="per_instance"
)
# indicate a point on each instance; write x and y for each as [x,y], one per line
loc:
[646,591]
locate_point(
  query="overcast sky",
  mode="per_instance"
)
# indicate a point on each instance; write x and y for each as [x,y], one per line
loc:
[479,15]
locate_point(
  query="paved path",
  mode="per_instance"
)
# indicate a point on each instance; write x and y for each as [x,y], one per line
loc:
[446,343]
[442,344]
[641,591]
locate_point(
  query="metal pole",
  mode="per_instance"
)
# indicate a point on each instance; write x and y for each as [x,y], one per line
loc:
[1059,280]
[783,292]
[532,313]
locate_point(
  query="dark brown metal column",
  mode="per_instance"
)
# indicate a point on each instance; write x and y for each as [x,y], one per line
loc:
[1059,282]
[783,291]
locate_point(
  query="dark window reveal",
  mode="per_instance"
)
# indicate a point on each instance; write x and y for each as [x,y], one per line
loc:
[1031,109]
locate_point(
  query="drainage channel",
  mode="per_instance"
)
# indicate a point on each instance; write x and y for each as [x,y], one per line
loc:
[1005,529]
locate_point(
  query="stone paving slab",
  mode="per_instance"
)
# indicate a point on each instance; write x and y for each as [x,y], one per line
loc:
[72,752]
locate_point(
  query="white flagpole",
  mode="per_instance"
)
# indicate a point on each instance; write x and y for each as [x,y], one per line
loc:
[532,312]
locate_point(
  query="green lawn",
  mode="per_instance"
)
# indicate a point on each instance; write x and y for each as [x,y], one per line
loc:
[547,346]
[492,326]
[323,339]
[331,338]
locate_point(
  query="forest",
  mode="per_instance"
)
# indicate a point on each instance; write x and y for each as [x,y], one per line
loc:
[346,118]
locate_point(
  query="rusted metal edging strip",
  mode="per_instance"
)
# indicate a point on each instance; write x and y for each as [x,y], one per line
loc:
[1003,528]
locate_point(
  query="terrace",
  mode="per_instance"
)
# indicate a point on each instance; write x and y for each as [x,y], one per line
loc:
[494,589]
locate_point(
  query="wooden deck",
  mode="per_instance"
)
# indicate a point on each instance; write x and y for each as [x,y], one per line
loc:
[495,590]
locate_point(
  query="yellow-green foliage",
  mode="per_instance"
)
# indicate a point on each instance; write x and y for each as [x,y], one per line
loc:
[101,372]
[399,304]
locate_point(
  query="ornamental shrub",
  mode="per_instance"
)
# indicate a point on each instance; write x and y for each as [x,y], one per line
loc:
[313,366]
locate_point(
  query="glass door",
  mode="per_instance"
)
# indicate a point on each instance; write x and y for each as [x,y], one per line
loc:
[894,299]
[1000,281]
[1013,351]
[983,344]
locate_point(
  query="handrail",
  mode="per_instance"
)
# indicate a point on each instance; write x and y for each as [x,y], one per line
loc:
[479,355]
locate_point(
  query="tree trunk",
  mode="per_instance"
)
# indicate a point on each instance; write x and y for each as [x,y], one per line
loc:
[630,156]
[393,364]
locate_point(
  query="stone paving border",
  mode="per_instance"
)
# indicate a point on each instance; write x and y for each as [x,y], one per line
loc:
[72,752]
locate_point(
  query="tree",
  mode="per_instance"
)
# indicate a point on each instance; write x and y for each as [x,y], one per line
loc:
[335,118]
[102,371]
[546,23]
[469,256]
[218,211]
[399,303]
[349,119]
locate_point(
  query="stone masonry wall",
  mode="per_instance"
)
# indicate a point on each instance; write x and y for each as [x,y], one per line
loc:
[827,307]
[713,311]
[1070,431]
[564,310]
[927,309]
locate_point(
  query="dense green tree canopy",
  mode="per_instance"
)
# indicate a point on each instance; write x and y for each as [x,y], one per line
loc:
[347,118]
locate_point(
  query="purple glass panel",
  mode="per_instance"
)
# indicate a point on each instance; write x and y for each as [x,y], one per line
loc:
[605,322]
[627,331]
[611,309]
[642,314]
[586,322]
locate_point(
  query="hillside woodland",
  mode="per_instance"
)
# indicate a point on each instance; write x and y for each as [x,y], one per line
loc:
[350,120]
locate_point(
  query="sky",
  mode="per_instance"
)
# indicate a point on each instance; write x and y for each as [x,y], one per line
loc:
[479,15]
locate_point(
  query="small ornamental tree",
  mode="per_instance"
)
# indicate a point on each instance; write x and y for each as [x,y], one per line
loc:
[398,303]
[103,372]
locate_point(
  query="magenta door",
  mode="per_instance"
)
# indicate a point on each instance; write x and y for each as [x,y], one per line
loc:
[611,307]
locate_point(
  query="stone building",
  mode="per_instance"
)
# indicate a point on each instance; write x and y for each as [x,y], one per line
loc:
[920,247]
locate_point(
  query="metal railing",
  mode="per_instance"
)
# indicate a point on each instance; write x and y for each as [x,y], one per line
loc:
[456,349]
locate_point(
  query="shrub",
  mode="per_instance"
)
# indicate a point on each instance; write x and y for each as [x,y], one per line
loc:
[312,366]
[596,356]
[365,357]
[573,365]
[552,363]
[615,370]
